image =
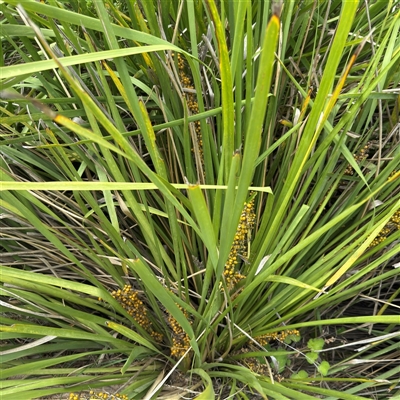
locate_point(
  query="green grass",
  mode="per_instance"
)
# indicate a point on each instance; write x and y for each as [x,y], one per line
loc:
[231,167]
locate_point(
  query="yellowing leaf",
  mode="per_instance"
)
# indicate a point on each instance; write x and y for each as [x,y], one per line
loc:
[290,281]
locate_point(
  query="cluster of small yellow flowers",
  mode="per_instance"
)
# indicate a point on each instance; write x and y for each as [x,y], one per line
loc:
[363,153]
[98,396]
[191,102]
[158,337]
[239,246]
[393,224]
[129,299]
[180,339]
[361,156]
[281,336]
[254,365]
[381,237]
[395,219]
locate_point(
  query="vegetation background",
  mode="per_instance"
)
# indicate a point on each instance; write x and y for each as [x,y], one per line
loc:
[200,199]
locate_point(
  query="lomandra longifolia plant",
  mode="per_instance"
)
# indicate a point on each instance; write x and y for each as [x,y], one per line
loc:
[200,199]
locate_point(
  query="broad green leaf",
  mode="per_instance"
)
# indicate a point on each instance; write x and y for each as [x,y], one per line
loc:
[208,393]
[34,67]
[323,368]
[290,281]
[129,333]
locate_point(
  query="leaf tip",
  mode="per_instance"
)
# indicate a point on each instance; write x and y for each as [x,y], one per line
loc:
[277,9]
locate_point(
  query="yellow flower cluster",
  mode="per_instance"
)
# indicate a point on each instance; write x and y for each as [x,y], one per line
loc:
[130,301]
[395,219]
[281,336]
[255,366]
[240,243]
[180,339]
[361,156]
[98,396]
[393,224]
[382,236]
[192,103]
